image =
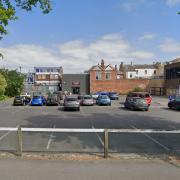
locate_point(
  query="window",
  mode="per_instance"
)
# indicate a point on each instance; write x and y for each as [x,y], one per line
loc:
[145,72]
[130,75]
[56,76]
[52,76]
[43,76]
[108,76]
[154,71]
[136,72]
[98,75]
[37,70]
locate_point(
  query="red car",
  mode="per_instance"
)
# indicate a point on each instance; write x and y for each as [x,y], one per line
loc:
[144,95]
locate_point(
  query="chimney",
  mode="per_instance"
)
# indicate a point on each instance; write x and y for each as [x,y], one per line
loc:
[102,64]
[121,66]
[115,67]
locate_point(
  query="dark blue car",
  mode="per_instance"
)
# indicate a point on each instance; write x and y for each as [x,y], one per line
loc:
[113,95]
[38,101]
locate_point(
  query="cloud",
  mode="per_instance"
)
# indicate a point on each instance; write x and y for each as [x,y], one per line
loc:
[170,45]
[173,2]
[147,36]
[75,56]
[129,6]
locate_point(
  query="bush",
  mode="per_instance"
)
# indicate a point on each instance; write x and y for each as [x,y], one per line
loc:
[3,85]
[15,82]
[136,89]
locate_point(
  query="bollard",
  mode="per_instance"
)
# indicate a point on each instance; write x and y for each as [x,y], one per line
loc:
[106,143]
[19,144]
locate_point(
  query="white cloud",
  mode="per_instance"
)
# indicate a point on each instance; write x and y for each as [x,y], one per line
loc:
[170,46]
[147,36]
[173,2]
[75,56]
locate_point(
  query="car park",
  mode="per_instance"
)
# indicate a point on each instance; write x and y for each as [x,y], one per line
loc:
[87,100]
[136,103]
[38,101]
[175,103]
[52,99]
[144,95]
[20,100]
[71,103]
[113,95]
[104,100]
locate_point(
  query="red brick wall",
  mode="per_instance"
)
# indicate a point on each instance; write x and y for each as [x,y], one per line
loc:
[119,85]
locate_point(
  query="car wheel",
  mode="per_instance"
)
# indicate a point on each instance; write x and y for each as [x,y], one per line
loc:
[132,108]
[147,109]
[110,104]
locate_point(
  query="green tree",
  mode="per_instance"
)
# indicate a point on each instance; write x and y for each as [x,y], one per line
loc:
[15,82]
[3,85]
[8,10]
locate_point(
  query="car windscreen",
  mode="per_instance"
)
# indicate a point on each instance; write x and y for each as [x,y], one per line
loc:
[87,97]
[139,100]
[18,97]
[37,97]
[103,97]
[71,99]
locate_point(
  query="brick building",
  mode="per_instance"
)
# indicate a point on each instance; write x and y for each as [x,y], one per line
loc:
[108,78]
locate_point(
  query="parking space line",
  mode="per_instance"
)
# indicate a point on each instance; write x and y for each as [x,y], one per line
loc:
[154,140]
[51,137]
[6,134]
[101,141]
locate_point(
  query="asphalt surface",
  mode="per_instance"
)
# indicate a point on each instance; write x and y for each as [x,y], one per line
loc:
[88,170]
[116,117]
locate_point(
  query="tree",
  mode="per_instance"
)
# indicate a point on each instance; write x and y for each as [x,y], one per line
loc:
[8,10]
[15,82]
[3,85]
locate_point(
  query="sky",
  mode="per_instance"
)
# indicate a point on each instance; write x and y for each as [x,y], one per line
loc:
[77,34]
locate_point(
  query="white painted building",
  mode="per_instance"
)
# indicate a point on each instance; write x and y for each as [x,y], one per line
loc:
[145,71]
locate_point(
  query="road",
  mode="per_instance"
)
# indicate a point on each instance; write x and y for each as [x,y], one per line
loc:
[100,170]
[116,117]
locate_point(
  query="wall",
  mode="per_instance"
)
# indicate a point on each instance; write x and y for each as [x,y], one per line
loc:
[67,80]
[122,86]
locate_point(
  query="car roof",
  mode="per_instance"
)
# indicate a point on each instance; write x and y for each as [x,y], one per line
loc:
[71,96]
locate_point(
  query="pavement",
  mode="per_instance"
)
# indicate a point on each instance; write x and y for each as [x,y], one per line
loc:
[20,169]
[159,117]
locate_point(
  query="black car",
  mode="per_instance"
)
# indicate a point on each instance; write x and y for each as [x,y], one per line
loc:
[136,103]
[52,100]
[175,103]
[113,95]
[20,100]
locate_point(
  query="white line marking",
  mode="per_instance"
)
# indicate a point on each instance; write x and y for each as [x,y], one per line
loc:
[154,140]
[6,134]
[50,139]
[173,127]
[101,141]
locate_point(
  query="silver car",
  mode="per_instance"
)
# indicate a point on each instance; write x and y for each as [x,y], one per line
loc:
[71,102]
[87,100]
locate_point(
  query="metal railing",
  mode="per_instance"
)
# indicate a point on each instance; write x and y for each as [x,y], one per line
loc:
[106,132]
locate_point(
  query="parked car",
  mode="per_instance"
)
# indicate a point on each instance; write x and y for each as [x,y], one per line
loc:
[113,95]
[144,95]
[104,100]
[175,103]
[20,100]
[136,103]
[52,99]
[59,95]
[38,101]
[71,102]
[87,100]
[80,99]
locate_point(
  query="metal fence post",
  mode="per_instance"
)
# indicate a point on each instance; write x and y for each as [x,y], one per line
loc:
[106,143]
[19,144]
